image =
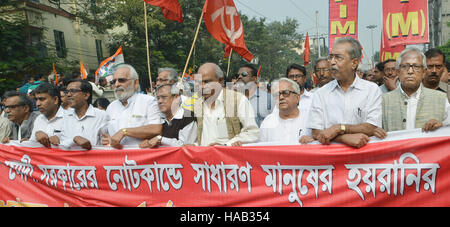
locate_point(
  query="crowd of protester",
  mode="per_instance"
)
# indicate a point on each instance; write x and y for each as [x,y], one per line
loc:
[346,105]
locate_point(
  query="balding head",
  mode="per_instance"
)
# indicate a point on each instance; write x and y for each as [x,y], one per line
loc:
[211,79]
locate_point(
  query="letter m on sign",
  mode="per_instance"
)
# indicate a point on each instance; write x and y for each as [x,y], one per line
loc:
[405,22]
[348,28]
[410,24]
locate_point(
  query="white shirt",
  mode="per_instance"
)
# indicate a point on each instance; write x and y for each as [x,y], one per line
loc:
[215,127]
[288,131]
[361,103]
[141,110]
[52,127]
[186,135]
[89,126]
[411,109]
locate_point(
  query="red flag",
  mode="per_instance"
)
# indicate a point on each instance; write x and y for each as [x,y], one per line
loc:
[306,51]
[170,8]
[224,24]
[83,71]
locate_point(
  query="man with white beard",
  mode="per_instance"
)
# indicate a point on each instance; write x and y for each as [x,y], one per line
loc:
[133,116]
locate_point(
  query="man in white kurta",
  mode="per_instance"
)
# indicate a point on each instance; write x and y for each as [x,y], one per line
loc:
[288,124]
[214,129]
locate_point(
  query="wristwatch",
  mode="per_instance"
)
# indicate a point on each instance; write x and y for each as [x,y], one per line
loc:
[159,137]
[125,133]
[342,129]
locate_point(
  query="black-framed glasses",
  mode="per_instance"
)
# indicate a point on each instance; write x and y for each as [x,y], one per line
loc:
[286,93]
[121,80]
[406,67]
[13,106]
[72,91]
[295,76]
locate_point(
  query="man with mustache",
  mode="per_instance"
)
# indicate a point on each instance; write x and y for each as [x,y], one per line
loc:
[19,109]
[49,124]
[134,117]
[261,101]
[224,117]
[412,105]
[390,77]
[348,109]
[323,72]
[435,70]
[82,123]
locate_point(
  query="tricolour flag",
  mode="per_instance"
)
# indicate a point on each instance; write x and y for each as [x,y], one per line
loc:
[108,66]
[56,75]
[83,71]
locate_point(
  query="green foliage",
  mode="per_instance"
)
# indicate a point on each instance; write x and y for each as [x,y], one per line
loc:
[446,50]
[170,42]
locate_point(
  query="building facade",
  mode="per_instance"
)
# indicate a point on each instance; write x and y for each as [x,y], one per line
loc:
[62,32]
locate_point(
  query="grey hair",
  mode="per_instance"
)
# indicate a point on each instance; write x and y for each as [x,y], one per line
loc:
[218,72]
[319,60]
[355,50]
[133,74]
[174,89]
[294,84]
[411,49]
[173,74]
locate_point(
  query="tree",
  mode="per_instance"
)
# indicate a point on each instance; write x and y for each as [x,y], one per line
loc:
[170,42]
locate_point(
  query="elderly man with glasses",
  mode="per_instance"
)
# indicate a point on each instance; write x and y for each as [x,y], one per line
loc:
[288,125]
[347,109]
[412,105]
[133,117]
[19,109]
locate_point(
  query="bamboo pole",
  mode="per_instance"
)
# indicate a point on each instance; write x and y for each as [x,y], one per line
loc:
[192,47]
[148,50]
[229,62]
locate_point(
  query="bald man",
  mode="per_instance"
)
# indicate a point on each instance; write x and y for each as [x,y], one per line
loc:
[224,117]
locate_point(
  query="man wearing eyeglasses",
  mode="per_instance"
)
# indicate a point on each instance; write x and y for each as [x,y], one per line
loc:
[261,101]
[323,73]
[134,117]
[83,123]
[412,105]
[390,77]
[179,126]
[288,125]
[435,70]
[19,109]
[348,109]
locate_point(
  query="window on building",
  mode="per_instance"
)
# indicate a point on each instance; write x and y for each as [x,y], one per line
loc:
[60,44]
[98,45]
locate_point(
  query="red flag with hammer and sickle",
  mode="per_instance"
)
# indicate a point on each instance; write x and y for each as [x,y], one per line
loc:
[224,24]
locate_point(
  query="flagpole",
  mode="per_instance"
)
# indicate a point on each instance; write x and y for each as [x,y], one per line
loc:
[229,61]
[146,43]
[193,45]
